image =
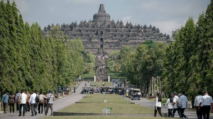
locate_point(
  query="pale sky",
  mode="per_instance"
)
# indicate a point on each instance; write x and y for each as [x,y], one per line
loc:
[167,15]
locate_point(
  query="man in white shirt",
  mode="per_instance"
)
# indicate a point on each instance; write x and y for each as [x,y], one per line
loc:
[33,103]
[206,103]
[175,97]
[183,100]
[23,100]
[198,100]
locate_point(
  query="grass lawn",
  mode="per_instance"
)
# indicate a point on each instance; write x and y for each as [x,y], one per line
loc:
[99,98]
[100,83]
[103,117]
[95,104]
[117,108]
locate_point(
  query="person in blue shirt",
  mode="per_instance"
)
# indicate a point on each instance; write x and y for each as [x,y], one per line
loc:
[5,99]
[184,101]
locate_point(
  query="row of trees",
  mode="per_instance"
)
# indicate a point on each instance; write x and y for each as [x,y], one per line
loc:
[140,65]
[29,61]
[184,65]
[188,65]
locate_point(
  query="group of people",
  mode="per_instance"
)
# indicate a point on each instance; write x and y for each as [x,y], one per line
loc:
[179,102]
[25,101]
[203,105]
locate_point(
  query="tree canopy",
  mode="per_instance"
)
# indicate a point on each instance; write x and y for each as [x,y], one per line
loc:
[188,65]
[32,62]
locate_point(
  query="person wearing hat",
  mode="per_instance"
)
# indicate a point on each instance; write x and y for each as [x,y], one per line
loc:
[50,98]
[175,98]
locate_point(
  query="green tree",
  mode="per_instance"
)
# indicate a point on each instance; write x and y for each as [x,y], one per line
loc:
[207,49]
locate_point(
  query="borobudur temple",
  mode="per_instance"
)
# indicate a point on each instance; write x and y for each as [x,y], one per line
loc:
[102,35]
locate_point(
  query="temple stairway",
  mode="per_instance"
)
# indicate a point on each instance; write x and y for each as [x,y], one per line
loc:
[101,72]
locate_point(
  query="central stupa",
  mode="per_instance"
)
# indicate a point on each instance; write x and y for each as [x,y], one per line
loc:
[101,16]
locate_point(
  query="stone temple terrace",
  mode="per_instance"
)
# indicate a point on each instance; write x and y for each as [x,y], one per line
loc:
[103,35]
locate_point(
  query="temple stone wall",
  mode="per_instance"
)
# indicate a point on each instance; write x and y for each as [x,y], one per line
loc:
[103,34]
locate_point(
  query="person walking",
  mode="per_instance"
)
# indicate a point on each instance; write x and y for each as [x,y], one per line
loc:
[169,104]
[22,100]
[198,100]
[17,99]
[45,101]
[5,99]
[12,102]
[184,101]
[158,105]
[28,102]
[175,98]
[41,103]
[37,100]
[50,98]
[33,104]
[206,103]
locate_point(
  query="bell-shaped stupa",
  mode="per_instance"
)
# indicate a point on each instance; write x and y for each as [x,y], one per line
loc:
[101,16]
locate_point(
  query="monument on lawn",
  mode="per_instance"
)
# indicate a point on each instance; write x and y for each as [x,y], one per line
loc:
[102,35]
[108,78]
[94,78]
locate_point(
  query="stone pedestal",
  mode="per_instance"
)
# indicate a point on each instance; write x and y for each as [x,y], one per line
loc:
[189,104]
[94,78]
[108,78]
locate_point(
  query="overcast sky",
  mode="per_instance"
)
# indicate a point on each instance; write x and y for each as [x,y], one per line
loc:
[167,15]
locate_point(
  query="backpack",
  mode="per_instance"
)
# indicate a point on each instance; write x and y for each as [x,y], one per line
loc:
[179,104]
[37,99]
[48,98]
[19,99]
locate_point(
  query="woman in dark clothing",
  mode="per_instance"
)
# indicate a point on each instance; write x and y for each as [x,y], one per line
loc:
[12,102]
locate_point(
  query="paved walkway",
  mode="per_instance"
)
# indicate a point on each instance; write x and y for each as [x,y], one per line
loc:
[57,105]
[151,104]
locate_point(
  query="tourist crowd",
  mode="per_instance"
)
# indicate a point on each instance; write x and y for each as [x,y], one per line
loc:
[26,102]
[179,102]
